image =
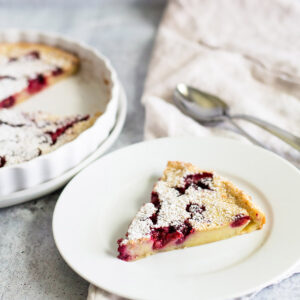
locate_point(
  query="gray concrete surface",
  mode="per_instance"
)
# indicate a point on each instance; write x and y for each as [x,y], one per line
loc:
[30,265]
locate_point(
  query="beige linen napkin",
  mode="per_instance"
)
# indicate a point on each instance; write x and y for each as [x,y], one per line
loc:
[246,52]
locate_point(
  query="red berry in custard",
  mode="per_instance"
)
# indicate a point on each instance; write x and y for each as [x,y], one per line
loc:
[240,220]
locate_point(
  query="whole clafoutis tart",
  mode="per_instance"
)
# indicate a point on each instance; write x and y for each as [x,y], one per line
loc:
[189,207]
[27,68]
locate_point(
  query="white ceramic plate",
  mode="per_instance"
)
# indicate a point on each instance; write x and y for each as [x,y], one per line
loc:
[54,184]
[94,88]
[96,207]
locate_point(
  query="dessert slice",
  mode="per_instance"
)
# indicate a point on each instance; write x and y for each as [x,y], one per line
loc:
[27,68]
[24,136]
[189,207]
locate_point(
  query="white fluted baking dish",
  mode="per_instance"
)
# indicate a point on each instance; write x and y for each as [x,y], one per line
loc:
[94,88]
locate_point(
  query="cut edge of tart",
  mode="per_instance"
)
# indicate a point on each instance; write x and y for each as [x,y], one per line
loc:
[72,130]
[25,136]
[189,207]
[19,80]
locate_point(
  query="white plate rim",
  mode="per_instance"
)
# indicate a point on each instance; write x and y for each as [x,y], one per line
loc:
[272,280]
[56,183]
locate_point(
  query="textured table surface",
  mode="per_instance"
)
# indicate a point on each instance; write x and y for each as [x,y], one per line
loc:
[124,30]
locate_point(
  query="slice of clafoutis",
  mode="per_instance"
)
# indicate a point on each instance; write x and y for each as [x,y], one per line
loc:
[28,68]
[189,207]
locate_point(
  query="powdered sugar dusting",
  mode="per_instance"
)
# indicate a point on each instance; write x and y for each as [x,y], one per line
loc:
[173,207]
[25,66]
[140,226]
[176,176]
[23,136]
[14,74]
[203,208]
[208,182]
[10,86]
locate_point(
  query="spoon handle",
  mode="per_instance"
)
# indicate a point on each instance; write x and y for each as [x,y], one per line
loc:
[282,134]
[245,134]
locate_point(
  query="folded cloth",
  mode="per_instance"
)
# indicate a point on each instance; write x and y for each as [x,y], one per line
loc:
[246,52]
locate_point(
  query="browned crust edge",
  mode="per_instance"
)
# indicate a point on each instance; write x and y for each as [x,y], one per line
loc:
[242,199]
[48,53]
[73,132]
[67,61]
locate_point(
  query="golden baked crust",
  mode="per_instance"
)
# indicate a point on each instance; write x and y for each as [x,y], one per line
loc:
[32,134]
[189,207]
[73,132]
[230,192]
[67,61]
[50,54]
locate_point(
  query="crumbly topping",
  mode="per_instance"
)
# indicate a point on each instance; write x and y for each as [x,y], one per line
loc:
[24,136]
[203,208]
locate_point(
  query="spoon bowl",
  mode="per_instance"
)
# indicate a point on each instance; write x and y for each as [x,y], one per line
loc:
[201,106]
[211,110]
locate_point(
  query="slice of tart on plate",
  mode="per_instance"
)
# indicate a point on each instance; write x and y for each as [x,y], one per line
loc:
[189,207]
[27,68]
[24,136]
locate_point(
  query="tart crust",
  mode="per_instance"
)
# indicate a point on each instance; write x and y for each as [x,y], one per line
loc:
[242,199]
[241,215]
[73,132]
[26,136]
[67,61]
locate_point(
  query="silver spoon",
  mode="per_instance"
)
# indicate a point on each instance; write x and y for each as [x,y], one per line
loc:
[209,109]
